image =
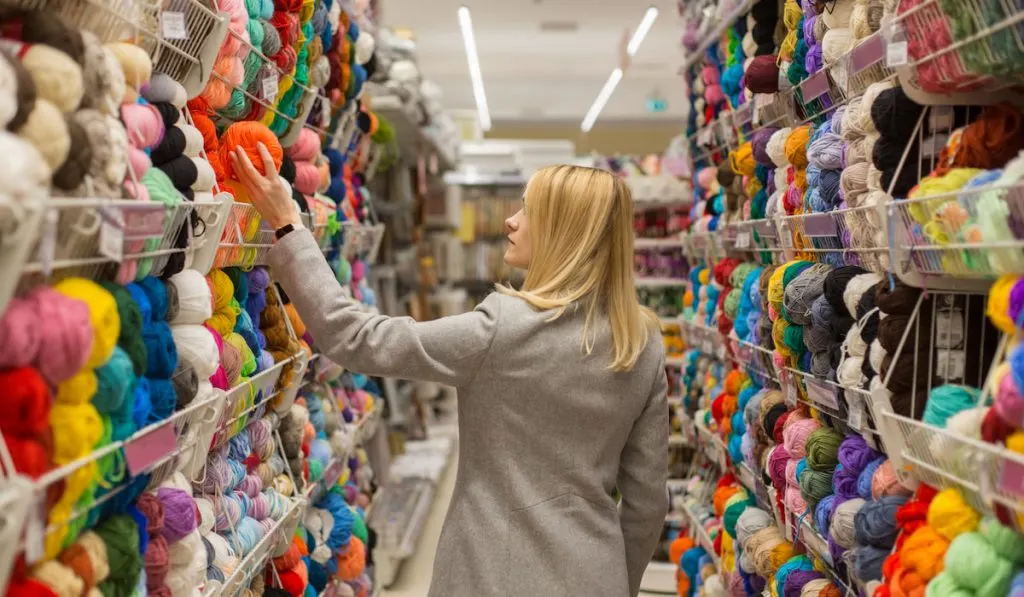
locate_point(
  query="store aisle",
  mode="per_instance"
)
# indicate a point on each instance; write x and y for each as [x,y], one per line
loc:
[414,576]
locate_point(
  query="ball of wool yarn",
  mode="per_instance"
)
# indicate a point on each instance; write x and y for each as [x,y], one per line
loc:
[47,130]
[247,135]
[875,523]
[79,158]
[976,567]
[103,315]
[885,482]
[22,88]
[162,88]
[868,562]
[950,515]
[135,63]
[8,91]
[193,140]
[843,529]
[57,77]
[59,578]
[179,513]
[182,171]
[108,144]
[795,436]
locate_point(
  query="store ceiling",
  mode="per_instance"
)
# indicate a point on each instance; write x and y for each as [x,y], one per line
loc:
[546,59]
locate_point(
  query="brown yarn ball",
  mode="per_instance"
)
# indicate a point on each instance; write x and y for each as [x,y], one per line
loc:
[40,27]
[26,91]
[72,172]
[77,559]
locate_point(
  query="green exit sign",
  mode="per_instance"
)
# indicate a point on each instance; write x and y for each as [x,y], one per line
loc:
[656,105]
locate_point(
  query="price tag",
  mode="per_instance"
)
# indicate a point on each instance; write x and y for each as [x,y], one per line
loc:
[787,240]
[867,53]
[743,240]
[270,86]
[822,394]
[111,243]
[815,86]
[856,415]
[174,25]
[1011,478]
[820,225]
[896,54]
[950,364]
[791,394]
[144,451]
[48,241]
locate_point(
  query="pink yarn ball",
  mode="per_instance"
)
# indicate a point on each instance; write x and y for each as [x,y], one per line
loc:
[1009,403]
[307,177]
[794,436]
[65,334]
[306,147]
[19,338]
[144,125]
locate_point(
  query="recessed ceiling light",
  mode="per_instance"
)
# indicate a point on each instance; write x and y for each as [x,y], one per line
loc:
[476,78]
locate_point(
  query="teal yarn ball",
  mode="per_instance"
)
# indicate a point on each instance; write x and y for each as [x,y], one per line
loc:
[947,400]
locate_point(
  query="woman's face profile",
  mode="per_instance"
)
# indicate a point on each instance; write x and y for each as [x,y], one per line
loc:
[519,252]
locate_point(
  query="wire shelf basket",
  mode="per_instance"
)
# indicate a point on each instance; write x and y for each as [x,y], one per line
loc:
[967,48]
[361,241]
[119,238]
[182,36]
[246,239]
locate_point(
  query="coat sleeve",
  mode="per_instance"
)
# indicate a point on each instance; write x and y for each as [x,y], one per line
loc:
[449,350]
[643,472]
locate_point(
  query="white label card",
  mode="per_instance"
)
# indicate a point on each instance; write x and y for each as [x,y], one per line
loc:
[270,86]
[48,241]
[743,240]
[112,234]
[174,25]
[856,415]
[896,54]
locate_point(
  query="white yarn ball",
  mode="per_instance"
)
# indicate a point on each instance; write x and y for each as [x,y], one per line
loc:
[193,139]
[839,15]
[205,178]
[404,72]
[855,289]
[194,299]
[835,44]
[207,515]
[365,45]
[197,347]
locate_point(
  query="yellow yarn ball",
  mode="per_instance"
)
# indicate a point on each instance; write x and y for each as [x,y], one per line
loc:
[106,323]
[79,389]
[950,515]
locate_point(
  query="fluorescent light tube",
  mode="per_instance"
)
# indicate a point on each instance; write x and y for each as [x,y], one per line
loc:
[466,24]
[641,32]
[602,99]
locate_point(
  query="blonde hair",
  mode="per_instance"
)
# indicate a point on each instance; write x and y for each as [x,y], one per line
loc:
[581,233]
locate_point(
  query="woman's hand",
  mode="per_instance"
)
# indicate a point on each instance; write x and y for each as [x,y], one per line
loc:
[268,193]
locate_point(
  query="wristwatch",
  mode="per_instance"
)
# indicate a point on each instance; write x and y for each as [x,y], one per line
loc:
[283,230]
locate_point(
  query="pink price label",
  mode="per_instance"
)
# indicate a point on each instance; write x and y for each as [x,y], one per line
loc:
[820,225]
[867,53]
[1011,478]
[144,451]
[815,86]
[143,222]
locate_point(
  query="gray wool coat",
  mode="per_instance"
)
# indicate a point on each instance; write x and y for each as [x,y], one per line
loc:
[546,435]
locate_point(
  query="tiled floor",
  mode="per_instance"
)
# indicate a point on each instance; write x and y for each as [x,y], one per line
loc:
[414,576]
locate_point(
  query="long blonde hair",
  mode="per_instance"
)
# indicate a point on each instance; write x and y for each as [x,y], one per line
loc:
[581,233]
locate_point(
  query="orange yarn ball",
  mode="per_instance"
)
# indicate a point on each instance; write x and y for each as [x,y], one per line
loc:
[352,561]
[678,547]
[721,496]
[247,135]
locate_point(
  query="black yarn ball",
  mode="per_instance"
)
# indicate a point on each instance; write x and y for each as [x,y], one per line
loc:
[38,27]
[182,171]
[287,170]
[835,286]
[170,147]
[168,113]
[908,178]
[895,115]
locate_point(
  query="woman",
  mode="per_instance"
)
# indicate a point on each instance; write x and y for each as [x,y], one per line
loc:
[561,386]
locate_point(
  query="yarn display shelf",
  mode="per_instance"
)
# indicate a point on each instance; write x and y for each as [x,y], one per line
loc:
[969,59]
[757,361]
[298,121]
[250,398]
[988,475]
[82,237]
[863,65]
[820,237]
[414,141]
[700,534]
[659,191]
[254,562]
[641,244]
[711,445]
[187,58]
[703,337]
[712,35]
[361,241]
[246,239]
[942,234]
[659,282]
[187,426]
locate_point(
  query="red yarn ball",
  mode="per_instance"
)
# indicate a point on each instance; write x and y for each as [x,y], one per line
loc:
[25,409]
